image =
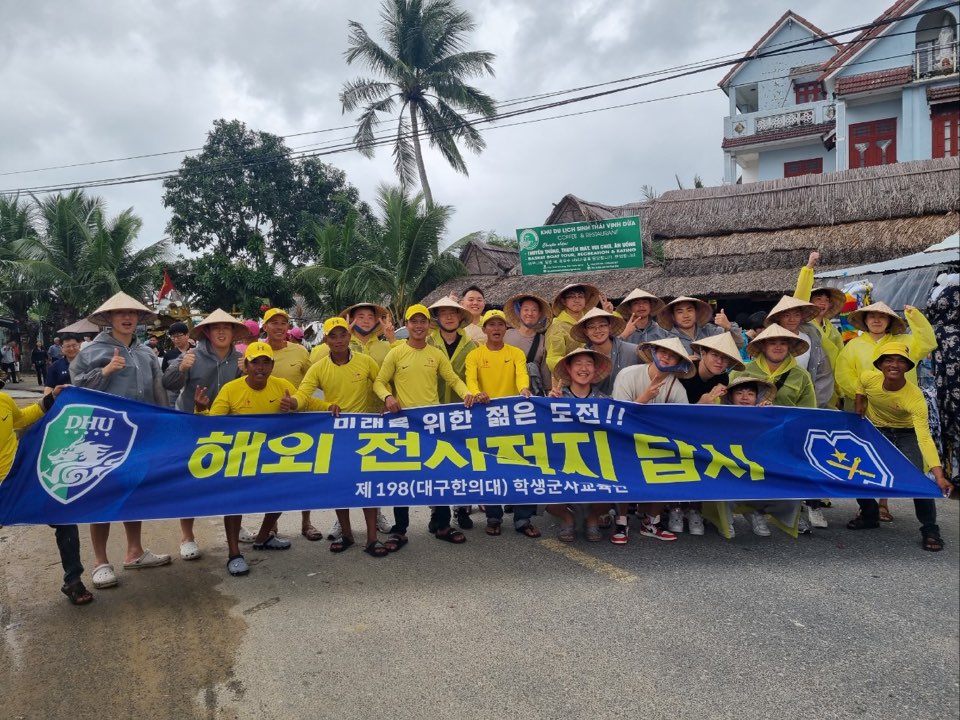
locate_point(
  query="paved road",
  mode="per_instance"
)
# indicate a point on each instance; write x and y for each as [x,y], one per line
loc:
[838,625]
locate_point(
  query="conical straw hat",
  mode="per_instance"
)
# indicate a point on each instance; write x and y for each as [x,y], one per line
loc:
[603,364]
[445,302]
[673,345]
[379,310]
[665,316]
[858,318]
[838,299]
[798,346]
[789,302]
[656,304]
[766,391]
[579,331]
[241,333]
[120,301]
[511,308]
[593,296]
[723,344]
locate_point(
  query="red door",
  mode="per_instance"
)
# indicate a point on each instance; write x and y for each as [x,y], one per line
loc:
[945,138]
[873,143]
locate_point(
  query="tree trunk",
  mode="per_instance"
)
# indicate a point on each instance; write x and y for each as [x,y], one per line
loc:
[415,129]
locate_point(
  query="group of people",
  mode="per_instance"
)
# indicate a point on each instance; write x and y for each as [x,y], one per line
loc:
[578,345]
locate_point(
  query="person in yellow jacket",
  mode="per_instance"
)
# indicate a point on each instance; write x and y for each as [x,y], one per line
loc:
[829,302]
[408,378]
[774,354]
[367,322]
[12,419]
[880,325]
[898,409]
[569,306]
[257,392]
[346,379]
[497,370]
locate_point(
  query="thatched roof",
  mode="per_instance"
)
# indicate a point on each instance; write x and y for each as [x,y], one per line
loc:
[481,258]
[924,187]
[752,239]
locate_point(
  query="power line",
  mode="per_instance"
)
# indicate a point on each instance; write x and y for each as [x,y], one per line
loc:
[693,68]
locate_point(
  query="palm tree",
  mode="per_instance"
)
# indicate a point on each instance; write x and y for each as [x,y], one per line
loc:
[399,266]
[425,67]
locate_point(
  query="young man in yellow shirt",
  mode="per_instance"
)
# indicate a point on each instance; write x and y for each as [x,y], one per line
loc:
[290,362]
[898,409]
[367,322]
[257,392]
[346,379]
[408,378]
[496,370]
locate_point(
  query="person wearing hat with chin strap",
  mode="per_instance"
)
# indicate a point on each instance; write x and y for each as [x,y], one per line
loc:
[257,392]
[116,362]
[689,319]
[578,375]
[367,321]
[346,379]
[408,378]
[898,409]
[529,317]
[797,316]
[496,370]
[569,306]
[666,362]
[639,309]
[600,330]
[211,364]
[774,354]
[878,325]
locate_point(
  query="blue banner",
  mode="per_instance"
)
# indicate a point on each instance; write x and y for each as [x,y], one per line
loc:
[97,458]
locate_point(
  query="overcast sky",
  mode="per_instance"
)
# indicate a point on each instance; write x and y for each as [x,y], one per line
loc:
[86,81]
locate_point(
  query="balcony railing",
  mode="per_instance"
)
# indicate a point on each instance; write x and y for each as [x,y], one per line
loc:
[763,122]
[932,59]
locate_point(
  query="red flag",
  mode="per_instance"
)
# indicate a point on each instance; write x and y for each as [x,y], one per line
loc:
[167,286]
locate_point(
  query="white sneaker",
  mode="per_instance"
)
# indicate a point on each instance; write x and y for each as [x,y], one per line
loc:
[336,533]
[804,527]
[815,517]
[695,522]
[675,520]
[758,523]
[383,525]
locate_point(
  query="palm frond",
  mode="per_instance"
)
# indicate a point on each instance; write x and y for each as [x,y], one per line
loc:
[364,91]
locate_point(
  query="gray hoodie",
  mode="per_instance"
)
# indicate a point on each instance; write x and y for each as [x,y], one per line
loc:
[208,371]
[819,367]
[139,380]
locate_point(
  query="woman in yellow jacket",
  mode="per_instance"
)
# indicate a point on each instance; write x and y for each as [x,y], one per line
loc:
[569,306]
[880,325]
[829,300]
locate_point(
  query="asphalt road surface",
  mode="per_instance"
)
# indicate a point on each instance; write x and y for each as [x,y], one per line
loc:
[838,625]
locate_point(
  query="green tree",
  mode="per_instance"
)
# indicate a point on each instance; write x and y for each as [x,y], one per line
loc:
[397,267]
[425,68]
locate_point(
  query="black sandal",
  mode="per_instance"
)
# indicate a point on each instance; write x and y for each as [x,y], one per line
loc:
[452,536]
[932,543]
[77,593]
[338,546]
[376,549]
[395,542]
[861,523]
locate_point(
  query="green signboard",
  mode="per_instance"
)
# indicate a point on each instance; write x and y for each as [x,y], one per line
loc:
[581,247]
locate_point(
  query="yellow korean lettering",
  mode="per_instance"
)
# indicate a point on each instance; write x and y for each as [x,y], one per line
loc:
[245,453]
[652,464]
[444,451]
[288,447]
[389,443]
[720,462]
[209,457]
[514,450]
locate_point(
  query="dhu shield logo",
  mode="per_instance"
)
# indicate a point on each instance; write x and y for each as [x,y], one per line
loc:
[844,456]
[81,446]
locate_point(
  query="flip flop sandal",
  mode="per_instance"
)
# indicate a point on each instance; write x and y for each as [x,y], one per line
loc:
[237,566]
[492,529]
[452,536]
[566,534]
[376,549]
[147,560]
[311,533]
[529,530]
[104,577]
[593,534]
[77,594]
[395,542]
[338,546]
[885,515]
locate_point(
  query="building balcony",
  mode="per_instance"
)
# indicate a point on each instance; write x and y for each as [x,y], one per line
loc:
[755,126]
[932,60]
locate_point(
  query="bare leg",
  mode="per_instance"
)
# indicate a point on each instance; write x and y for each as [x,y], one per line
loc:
[99,534]
[266,527]
[231,524]
[186,530]
[133,531]
[370,516]
[343,517]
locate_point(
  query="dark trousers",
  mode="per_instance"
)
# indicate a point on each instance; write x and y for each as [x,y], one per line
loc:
[439,518]
[905,440]
[521,514]
[41,370]
[68,543]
